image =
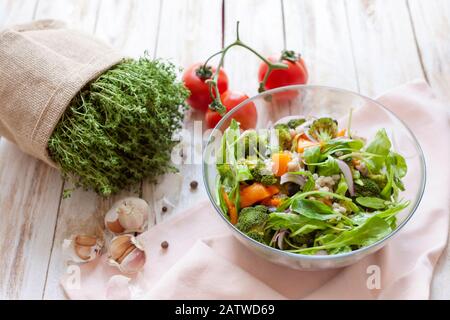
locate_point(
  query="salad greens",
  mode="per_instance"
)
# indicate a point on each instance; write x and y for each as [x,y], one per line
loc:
[305,187]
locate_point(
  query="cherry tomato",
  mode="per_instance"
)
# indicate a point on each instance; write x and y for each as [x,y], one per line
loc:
[194,79]
[246,116]
[296,73]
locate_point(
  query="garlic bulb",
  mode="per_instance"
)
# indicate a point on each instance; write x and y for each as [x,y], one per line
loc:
[82,248]
[126,253]
[127,215]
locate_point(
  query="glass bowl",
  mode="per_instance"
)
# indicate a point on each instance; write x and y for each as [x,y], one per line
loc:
[315,101]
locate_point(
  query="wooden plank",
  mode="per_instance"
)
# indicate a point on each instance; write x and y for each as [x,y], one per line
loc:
[120,23]
[431,21]
[319,31]
[130,26]
[16,11]
[78,14]
[196,34]
[431,24]
[29,199]
[383,44]
[261,27]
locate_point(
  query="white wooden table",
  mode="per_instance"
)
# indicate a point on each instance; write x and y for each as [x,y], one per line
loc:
[362,45]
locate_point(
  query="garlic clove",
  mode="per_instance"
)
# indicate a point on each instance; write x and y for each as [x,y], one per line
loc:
[133,262]
[127,254]
[119,245]
[127,215]
[85,240]
[114,225]
[82,248]
[83,252]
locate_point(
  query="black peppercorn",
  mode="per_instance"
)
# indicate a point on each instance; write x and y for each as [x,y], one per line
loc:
[194,184]
[164,209]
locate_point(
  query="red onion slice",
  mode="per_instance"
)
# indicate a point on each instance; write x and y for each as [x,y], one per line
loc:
[347,175]
[294,178]
[279,237]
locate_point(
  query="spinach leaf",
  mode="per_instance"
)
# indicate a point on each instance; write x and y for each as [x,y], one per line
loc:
[371,202]
[230,172]
[399,164]
[396,168]
[312,155]
[342,186]
[295,223]
[243,172]
[313,209]
[328,168]
[380,146]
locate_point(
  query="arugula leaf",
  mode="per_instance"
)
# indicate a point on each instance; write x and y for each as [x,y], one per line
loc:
[372,230]
[387,214]
[339,250]
[340,144]
[380,146]
[313,209]
[392,211]
[371,202]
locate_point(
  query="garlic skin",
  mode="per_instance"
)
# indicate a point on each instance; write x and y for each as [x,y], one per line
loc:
[82,248]
[127,254]
[127,216]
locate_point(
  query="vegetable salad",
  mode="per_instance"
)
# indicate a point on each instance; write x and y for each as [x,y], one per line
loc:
[309,187]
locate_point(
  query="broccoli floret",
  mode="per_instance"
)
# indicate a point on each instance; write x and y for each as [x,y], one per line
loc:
[294,123]
[252,222]
[284,136]
[258,236]
[268,180]
[260,174]
[323,129]
[369,188]
[224,170]
[303,240]
[380,179]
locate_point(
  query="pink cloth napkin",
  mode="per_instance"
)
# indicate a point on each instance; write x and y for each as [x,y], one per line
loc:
[204,261]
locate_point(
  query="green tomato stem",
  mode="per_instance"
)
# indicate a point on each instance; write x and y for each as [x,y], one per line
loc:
[217,104]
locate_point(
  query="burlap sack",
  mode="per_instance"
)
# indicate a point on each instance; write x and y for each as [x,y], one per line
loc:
[42,67]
